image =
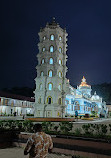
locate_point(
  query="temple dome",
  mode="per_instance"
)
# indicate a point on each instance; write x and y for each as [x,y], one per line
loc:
[84,84]
[95,96]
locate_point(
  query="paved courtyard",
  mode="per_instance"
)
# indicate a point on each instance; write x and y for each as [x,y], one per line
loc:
[18,153]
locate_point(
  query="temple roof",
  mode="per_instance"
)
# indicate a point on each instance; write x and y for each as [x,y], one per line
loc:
[84,83]
[95,96]
[15,96]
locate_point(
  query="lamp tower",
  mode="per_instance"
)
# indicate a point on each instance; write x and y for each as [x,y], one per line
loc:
[51,79]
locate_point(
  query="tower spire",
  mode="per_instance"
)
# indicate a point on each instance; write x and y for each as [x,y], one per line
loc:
[53,20]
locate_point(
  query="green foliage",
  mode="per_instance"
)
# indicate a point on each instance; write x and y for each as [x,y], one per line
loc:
[56,128]
[65,127]
[92,129]
[103,129]
[77,131]
[86,129]
[29,114]
[11,124]
[27,126]
[93,114]
[47,126]
[1,124]
[16,124]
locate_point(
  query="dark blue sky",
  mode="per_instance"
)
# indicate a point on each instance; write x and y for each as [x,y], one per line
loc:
[88,23]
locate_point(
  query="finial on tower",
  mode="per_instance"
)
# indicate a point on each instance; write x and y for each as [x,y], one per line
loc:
[53,20]
[84,83]
[83,79]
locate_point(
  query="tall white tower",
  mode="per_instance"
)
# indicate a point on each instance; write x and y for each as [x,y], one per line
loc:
[51,82]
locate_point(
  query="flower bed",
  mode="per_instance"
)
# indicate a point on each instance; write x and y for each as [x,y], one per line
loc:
[50,119]
[90,118]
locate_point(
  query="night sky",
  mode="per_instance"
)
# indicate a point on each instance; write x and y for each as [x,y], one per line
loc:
[88,24]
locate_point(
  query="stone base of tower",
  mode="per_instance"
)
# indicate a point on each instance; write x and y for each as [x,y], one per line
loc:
[49,111]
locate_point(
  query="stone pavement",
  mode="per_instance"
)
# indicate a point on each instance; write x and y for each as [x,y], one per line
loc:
[18,153]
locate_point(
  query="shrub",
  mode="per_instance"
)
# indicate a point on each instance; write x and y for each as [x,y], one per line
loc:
[27,126]
[77,131]
[30,115]
[86,129]
[47,126]
[65,127]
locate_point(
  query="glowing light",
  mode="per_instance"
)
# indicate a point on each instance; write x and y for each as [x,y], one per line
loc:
[84,83]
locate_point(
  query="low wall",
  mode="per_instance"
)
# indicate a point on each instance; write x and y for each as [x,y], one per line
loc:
[73,146]
[50,119]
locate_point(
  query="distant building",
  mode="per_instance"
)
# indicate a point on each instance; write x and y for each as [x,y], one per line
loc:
[54,96]
[109,110]
[82,101]
[10,103]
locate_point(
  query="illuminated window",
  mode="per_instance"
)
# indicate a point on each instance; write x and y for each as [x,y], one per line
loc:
[60,101]
[41,74]
[60,62]
[42,62]
[59,87]
[40,86]
[44,38]
[51,49]
[51,61]
[60,50]
[50,86]
[60,38]
[50,73]
[43,49]
[52,37]
[49,100]
[60,74]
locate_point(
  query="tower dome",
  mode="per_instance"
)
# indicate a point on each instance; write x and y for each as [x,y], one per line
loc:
[84,84]
[84,88]
[95,97]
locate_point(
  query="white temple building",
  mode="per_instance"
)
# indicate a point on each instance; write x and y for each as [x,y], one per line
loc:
[54,96]
[12,103]
[84,102]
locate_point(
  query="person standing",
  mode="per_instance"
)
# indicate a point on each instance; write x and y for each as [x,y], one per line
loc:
[38,144]
[76,115]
